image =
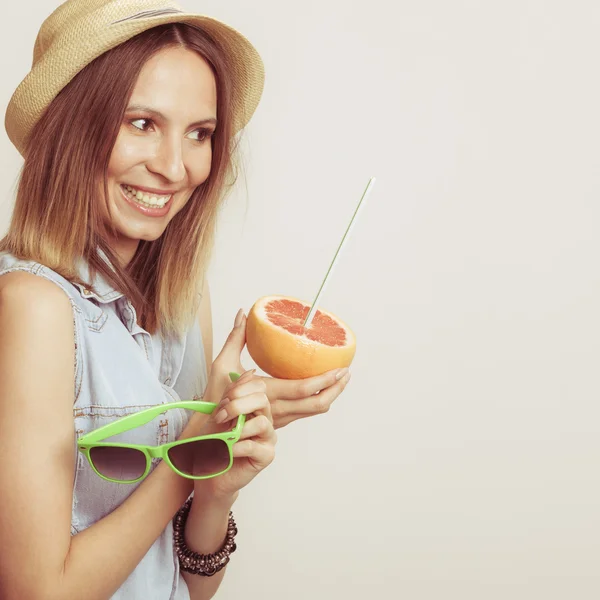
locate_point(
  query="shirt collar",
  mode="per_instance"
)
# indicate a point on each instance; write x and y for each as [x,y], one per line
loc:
[99,288]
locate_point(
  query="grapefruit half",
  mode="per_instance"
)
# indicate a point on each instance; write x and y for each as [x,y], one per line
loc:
[281,346]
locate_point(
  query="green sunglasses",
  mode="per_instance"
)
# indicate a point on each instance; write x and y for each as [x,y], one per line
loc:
[200,457]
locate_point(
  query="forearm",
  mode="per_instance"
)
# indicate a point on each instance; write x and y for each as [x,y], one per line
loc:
[101,557]
[205,532]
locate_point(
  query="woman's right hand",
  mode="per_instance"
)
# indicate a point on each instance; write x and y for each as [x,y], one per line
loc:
[228,360]
[255,449]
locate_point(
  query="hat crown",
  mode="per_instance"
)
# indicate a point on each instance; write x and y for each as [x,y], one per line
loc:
[79,31]
[91,14]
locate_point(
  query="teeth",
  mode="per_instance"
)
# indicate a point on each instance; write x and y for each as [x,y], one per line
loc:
[145,199]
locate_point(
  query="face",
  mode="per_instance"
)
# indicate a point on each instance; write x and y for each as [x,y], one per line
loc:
[163,149]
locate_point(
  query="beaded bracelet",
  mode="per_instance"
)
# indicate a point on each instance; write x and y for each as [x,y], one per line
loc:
[201,564]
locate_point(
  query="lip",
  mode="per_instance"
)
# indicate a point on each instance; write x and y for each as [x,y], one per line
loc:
[149,212]
[152,191]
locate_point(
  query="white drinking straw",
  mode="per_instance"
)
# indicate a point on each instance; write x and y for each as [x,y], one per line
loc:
[313,308]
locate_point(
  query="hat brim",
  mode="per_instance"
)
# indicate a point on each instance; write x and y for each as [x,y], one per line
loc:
[58,66]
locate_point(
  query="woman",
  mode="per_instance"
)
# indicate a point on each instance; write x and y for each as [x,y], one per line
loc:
[127,125]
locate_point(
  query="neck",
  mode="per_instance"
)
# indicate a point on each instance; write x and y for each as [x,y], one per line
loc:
[125,250]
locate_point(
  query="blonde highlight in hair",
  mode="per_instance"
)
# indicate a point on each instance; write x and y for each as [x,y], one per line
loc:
[57,217]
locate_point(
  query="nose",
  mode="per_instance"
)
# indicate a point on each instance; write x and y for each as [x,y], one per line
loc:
[167,160]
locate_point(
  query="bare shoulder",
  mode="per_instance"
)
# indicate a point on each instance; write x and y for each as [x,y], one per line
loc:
[35,309]
[36,336]
[20,287]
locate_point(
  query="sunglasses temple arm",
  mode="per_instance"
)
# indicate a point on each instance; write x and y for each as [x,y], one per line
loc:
[135,420]
[141,418]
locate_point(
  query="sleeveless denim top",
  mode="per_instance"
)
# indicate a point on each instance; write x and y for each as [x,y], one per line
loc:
[121,369]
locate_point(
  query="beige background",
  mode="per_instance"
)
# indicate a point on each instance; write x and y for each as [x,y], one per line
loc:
[462,461]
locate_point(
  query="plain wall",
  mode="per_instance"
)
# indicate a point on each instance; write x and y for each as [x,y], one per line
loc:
[462,460]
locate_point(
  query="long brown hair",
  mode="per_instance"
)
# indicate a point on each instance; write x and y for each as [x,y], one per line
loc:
[57,218]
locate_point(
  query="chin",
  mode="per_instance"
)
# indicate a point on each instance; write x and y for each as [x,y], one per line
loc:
[131,235]
[146,237]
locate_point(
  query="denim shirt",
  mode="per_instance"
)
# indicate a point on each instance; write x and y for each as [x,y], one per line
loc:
[121,369]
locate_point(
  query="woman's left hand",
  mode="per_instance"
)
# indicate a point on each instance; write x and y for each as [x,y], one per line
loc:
[293,399]
[289,399]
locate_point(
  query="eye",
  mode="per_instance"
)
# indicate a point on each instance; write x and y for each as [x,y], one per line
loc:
[144,120]
[202,134]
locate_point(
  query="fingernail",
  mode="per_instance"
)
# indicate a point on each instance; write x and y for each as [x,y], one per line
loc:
[239,317]
[341,373]
[221,417]
[221,404]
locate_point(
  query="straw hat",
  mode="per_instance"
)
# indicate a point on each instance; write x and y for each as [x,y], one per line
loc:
[79,31]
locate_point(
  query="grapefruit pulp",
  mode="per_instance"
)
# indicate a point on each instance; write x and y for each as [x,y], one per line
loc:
[281,346]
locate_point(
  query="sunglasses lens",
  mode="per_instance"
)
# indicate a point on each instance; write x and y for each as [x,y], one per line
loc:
[200,458]
[121,464]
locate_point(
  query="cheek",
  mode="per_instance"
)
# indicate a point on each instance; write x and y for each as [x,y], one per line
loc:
[124,155]
[199,169]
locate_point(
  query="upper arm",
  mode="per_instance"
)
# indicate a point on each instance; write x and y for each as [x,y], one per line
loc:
[205,319]
[37,462]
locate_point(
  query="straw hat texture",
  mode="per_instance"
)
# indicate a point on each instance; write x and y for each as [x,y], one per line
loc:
[79,31]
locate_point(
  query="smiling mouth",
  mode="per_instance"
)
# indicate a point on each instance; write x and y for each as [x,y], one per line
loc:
[144,198]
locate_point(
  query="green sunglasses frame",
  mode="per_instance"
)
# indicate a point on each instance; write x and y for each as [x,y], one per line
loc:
[93,439]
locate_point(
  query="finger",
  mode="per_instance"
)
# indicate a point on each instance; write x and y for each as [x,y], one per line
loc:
[259,428]
[235,342]
[249,385]
[254,403]
[243,378]
[289,418]
[317,404]
[295,389]
[242,406]
[259,455]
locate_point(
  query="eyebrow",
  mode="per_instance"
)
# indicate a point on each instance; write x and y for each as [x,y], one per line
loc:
[157,113]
